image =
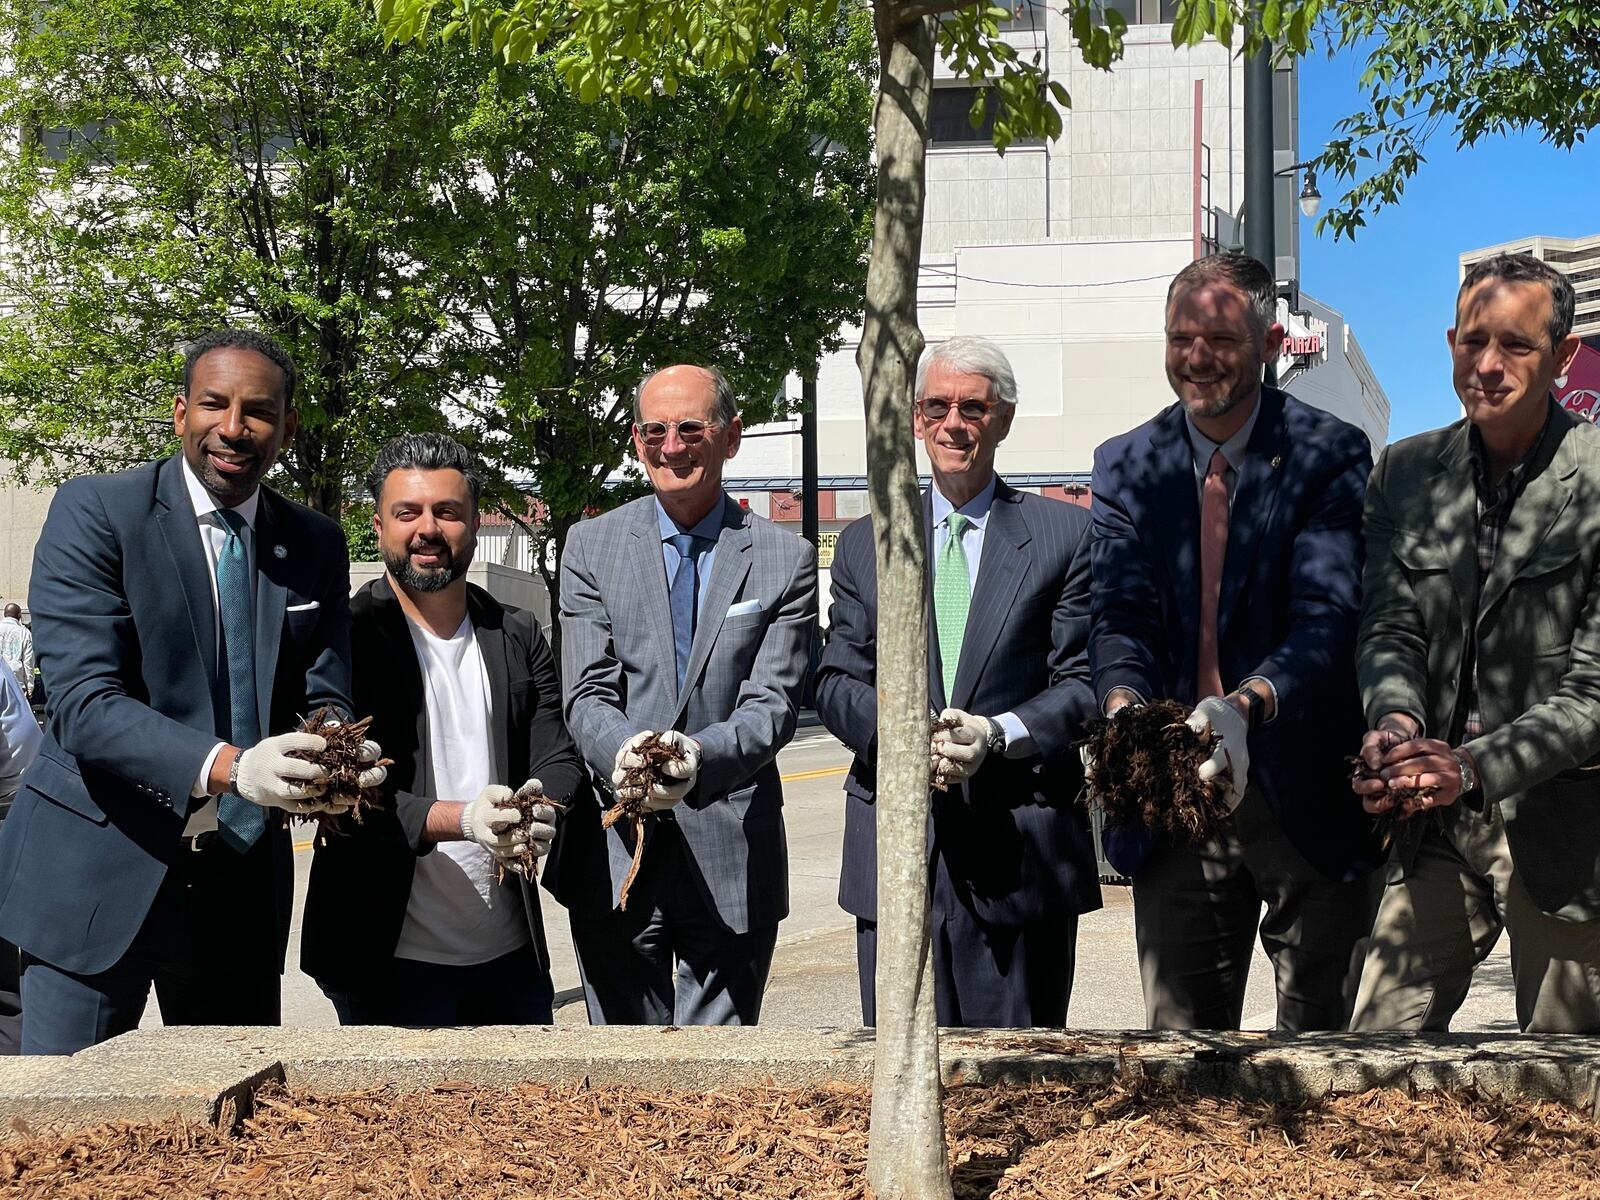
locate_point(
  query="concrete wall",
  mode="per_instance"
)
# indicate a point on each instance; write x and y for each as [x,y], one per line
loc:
[22,513]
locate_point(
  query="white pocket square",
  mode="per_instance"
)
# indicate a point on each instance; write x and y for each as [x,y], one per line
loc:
[744,608]
[306,607]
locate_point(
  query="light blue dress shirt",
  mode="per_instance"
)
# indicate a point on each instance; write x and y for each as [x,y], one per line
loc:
[1019,742]
[708,529]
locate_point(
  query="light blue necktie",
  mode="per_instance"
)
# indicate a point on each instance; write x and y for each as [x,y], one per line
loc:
[239,822]
[682,598]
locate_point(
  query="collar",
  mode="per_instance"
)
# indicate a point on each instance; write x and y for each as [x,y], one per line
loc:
[1233,449]
[203,503]
[708,528]
[1516,478]
[975,510]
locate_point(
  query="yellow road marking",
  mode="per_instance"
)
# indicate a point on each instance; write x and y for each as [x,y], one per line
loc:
[820,773]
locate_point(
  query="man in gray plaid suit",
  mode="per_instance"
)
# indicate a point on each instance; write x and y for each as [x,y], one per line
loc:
[682,614]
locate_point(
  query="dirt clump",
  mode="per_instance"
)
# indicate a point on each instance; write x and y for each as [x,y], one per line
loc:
[524,801]
[1408,801]
[342,758]
[1018,1142]
[655,753]
[1145,764]
[940,780]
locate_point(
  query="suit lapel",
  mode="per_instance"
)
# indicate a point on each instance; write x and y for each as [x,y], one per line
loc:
[1533,516]
[936,697]
[271,600]
[1455,505]
[727,577]
[1175,514]
[1001,569]
[490,632]
[1255,496]
[647,568]
[182,535]
[402,676]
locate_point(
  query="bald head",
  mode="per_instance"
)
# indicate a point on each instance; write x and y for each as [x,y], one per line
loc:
[14,612]
[685,379]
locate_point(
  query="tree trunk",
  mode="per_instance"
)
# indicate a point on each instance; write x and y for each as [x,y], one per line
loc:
[907,1159]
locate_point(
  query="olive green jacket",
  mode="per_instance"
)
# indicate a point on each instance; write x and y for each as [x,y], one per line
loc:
[1537,625]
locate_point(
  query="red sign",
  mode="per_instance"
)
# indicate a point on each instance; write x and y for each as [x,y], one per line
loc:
[1579,390]
[1311,343]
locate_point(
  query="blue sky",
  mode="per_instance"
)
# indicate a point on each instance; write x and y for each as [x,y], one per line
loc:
[1396,281]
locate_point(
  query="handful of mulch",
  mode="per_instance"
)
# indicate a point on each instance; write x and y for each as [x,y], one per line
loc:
[342,758]
[941,781]
[1408,801]
[1146,761]
[525,801]
[655,753]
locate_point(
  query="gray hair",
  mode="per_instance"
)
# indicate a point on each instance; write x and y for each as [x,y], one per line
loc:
[1240,271]
[1525,268]
[971,355]
[723,412]
[424,452]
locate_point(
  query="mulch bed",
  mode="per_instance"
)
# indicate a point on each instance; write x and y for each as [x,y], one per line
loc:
[1054,1141]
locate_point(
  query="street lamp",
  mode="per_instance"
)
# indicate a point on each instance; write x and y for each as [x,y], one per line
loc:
[1310,198]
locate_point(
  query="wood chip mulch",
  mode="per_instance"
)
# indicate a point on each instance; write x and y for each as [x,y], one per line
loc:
[1105,1140]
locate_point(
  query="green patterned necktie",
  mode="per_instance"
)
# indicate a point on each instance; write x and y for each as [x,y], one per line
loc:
[952,593]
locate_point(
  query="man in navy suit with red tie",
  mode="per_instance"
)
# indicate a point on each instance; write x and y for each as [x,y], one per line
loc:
[1227,569]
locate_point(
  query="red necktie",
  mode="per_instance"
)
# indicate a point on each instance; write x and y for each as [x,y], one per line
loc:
[1213,549]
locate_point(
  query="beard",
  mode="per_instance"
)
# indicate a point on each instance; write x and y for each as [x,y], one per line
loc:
[427,579]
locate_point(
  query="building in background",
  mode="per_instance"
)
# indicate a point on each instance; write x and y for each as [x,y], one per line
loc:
[1062,254]
[1579,260]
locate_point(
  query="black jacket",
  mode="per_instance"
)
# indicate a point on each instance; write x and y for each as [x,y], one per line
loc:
[361,882]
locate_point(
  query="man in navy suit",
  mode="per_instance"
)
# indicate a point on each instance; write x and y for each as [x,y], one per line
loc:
[184,613]
[1227,567]
[1012,861]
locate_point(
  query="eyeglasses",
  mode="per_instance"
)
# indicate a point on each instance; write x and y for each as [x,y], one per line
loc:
[937,408]
[691,432]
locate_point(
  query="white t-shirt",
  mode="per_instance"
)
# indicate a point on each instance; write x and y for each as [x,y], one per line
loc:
[458,915]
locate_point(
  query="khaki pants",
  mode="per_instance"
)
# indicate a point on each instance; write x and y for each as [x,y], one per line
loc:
[1441,920]
[1197,911]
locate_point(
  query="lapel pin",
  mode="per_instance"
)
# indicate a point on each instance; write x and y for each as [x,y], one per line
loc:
[281,551]
[1277,461]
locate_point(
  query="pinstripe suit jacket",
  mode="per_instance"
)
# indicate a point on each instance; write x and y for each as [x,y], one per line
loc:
[739,701]
[1014,839]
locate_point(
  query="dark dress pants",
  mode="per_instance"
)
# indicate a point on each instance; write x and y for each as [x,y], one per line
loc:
[1197,911]
[514,989]
[211,944]
[670,959]
[984,976]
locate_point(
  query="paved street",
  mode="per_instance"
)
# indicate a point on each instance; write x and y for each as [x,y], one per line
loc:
[813,977]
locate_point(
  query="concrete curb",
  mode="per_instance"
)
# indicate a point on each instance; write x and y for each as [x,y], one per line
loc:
[196,1072]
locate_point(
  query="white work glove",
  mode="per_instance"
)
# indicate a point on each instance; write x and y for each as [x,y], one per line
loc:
[662,795]
[963,748]
[541,830]
[373,776]
[266,775]
[1230,760]
[491,820]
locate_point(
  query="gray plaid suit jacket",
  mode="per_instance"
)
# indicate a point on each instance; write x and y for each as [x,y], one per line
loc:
[739,700]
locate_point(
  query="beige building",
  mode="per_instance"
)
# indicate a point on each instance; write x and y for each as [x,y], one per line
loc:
[22,512]
[1576,258]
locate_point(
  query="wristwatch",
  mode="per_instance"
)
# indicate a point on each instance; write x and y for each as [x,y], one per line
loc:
[1255,707]
[1469,774]
[997,736]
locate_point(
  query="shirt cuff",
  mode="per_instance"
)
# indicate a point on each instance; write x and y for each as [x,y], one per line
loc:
[202,782]
[1271,688]
[1121,687]
[1019,742]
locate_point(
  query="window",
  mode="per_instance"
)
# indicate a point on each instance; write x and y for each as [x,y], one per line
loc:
[1143,12]
[949,122]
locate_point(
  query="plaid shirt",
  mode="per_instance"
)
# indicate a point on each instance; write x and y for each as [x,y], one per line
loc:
[1494,510]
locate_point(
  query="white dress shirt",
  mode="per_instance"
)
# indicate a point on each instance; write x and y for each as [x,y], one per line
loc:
[213,533]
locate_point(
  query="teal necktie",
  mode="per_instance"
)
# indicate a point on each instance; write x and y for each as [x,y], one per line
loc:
[239,822]
[952,593]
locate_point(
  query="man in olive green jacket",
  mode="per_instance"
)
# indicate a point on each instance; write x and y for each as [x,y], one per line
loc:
[1479,664]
